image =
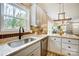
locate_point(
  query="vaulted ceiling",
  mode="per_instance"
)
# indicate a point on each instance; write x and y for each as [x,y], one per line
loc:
[52,9]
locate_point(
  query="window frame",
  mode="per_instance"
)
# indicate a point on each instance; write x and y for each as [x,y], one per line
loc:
[2,18]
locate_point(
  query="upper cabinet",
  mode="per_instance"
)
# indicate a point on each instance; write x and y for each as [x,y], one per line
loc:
[33,15]
[38,15]
[39,18]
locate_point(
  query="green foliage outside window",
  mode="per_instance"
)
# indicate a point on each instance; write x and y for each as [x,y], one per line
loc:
[15,23]
[14,17]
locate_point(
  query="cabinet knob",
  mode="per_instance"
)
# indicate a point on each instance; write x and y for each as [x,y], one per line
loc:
[69,41]
[32,54]
[69,47]
[69,54]
[54,39]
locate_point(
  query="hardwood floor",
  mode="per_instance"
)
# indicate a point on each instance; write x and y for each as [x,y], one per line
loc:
[53,54]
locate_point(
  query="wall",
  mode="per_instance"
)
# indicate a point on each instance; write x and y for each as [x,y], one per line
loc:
[71,10]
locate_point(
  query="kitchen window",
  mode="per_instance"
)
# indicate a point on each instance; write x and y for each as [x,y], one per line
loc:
[14,17]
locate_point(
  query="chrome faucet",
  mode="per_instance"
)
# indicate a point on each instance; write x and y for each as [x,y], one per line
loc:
[21,32]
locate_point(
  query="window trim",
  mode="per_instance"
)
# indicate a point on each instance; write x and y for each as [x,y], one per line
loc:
[2,16]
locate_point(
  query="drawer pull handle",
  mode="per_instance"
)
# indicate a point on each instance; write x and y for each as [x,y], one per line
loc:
[69,54]
[54,39]
[32,54]
[69,41]
[69,47]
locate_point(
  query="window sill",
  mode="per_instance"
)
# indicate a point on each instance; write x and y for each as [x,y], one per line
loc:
[7,35]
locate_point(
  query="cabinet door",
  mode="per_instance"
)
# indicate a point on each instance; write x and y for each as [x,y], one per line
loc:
[54,45]
[27,50]
[36,52]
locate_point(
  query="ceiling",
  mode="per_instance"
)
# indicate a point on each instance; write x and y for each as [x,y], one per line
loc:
[52,9]
[25,5]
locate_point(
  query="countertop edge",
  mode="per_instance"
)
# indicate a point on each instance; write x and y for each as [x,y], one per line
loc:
[24,46]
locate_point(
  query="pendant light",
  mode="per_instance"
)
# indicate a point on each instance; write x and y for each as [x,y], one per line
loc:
[61,14]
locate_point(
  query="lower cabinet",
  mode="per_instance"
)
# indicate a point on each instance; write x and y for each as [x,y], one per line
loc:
[70,47]
[34,49]
[36,52]
[54,45]
[63,46]
[69,53]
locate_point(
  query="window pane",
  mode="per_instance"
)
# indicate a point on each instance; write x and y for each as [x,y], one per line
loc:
[23,14]
[5,9]
[14,17]
[17,12]
[8,10]
[9,23]
[21,22]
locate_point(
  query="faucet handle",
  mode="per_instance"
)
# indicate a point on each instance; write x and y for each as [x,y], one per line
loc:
[22,29]
[19,29]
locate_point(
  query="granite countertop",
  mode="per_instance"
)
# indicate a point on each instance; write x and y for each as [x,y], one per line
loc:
[6,50]
[70,36]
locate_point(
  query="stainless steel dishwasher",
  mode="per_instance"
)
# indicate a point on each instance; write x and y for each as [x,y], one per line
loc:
[44,45]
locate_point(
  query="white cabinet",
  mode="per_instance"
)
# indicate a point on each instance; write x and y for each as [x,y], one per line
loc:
[54,44]
[70,47]
[36,52]
[69,53]
[70,41]
[64,46]
[28,50]
[33,15]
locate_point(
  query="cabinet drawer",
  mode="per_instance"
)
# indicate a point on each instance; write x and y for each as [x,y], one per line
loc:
[70,41]
[55,39]
[27,50]
[71,47]
[36,52]
[69,53]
